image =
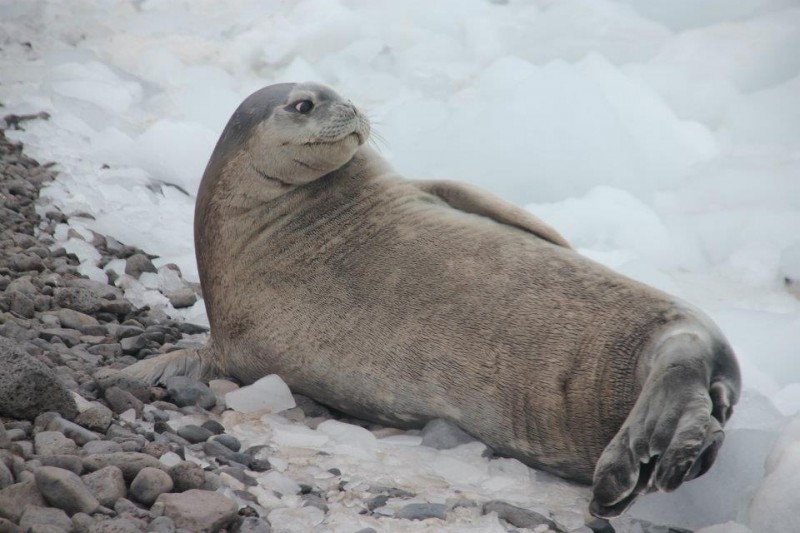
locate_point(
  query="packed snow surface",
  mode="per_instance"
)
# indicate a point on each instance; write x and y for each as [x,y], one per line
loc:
[661,138]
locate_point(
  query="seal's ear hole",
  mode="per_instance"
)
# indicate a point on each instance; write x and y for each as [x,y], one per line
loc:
[303,106]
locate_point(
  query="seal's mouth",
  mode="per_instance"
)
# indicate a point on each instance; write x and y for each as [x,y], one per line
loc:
[318,142]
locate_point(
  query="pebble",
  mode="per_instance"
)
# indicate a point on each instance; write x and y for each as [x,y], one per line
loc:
[229,441]
[253,524]
[187,391]
[162,524]
[72,463]
[186,476]
[421,511]
[129,462]
[6,476]
[44,516]
[15,498]
[106,484]
[99,447]
[149,484]
[199,510]
[181,298]
[121,400]
[214,427]
[72,430]
[519,517]
[65,490]
[138,263]
[7,526]
[53,443]
[220,451]
[194,434]
[117,525]
[96,418]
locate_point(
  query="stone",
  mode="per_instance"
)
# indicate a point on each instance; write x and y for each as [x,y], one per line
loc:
[229,441]
[106,484]
[21,305]
[254,524]
[187,476]
[69,318]
[65,490]
[138,263]
[117,525]
[49,516]
[129,462]
[107,377]
[311,408]
[161,524]
[215,449]
[121,400]
[72,463]
[53,443]
[149,484]
[6,476]
[214,427]
[7,526]
[77,298]
[199,510]
[315,500]
[422,511]
[444,435]
[181,298]
[15,498]
[74,431]
[107,350]
[194,434]
[519,517]
[96,418]
[132,345]
[187,391]
[98,447]
[28,387]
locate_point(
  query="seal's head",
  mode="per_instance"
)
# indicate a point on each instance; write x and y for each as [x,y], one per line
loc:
[295,133]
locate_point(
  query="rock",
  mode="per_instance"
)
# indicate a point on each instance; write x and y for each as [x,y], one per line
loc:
[120,401]
[377,501]
[98,447]
[215,449]
[214,427]
[7,526]
[72,430]
[21,305]
[199,510]
[187,391]
[129,462]
[117,525]
[194,434]
[519,517]
[181,298]
[229,441]
[132,345]
[70,337]
[421,511]
[72,463]
[444,435]
[77,299]
[107,378]
[162,524]
[106,484]
[96,418]
[149,484]
[47,516]
[107,350]
[269,392]
[65,490]
[53,443]
[15,498]
[253,524]
[28,387]
[138,263]
[315,500]
[187,476]
[6,476]
[69,318]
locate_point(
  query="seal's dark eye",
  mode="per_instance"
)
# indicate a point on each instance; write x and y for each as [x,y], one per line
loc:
[303,106]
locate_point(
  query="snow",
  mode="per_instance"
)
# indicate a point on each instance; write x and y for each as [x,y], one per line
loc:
[661,138]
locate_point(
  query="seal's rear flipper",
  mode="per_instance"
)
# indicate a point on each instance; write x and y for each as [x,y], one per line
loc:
[478,202]
[187,362]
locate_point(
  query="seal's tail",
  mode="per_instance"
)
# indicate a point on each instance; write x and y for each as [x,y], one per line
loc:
[187,362]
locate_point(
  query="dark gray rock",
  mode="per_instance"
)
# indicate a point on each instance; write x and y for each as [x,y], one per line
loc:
[77,433]
[138,263]
[107,378]
[239,474]
[187,476]
[129,462]
[6,476]
[254,524]
[124,332]
[72,463]
[443,435]
[215,449]
[194,434]
[21,305]
[15,498]
[96,418]
[422,511]
[53,443]
[7,526]
[107,351]
[70,337]
[199,510]
[519,517]
[311,408]
[47,516]
[28,387]
[184,297]
[101,447]
[187,391]
[149,484]
[229,441]
[132,345]
[121,400]
[65,490]
[214,427]
[106,484]
[315,500]
[377,501]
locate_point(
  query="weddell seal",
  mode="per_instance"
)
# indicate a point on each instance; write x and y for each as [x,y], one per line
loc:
[402,301]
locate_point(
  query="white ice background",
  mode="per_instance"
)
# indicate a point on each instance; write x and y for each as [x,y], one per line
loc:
[662,138]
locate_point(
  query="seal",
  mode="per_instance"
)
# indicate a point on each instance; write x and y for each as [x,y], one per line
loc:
[402,301]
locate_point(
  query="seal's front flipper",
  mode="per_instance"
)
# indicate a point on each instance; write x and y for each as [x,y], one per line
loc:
[188,362]
[473,200]
[674,431]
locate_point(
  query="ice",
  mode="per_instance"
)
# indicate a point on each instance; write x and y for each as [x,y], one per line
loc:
[774,506]
[349,439]
[284,434]
[298,520]
[279,482]
[269,392]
